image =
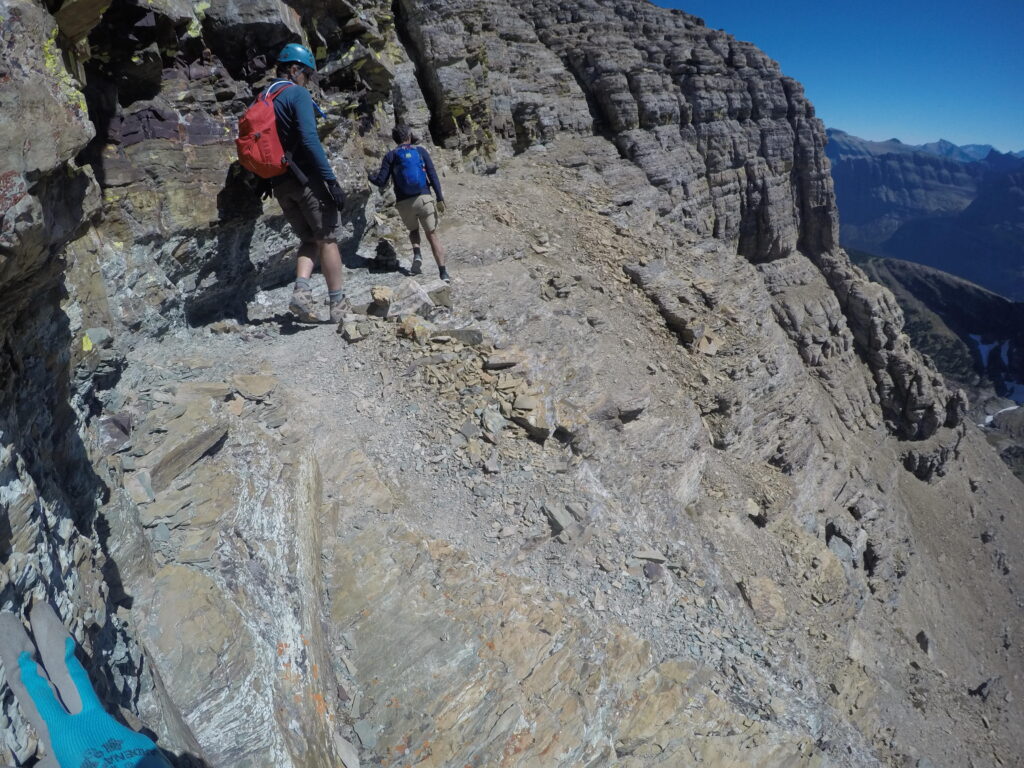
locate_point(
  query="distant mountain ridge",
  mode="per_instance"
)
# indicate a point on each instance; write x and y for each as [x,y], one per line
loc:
[967,153]
[936,204]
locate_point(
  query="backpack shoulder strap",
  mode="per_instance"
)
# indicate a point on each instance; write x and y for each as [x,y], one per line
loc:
[270,94]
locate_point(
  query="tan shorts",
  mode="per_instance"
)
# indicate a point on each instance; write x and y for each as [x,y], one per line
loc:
[312,216]
[418,211]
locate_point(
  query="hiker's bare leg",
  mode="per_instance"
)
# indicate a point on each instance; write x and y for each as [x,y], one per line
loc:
[304,263]
[435,247]
[414,238]
[330,264]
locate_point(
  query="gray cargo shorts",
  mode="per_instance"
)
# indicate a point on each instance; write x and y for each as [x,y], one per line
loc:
[312,217]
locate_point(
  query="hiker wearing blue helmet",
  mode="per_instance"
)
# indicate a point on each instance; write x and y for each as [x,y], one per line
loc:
[309,193]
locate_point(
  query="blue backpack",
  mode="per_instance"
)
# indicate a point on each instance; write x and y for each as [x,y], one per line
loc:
[409,170]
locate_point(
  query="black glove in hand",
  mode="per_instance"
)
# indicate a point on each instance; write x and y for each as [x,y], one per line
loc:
[335,190]
[264,189]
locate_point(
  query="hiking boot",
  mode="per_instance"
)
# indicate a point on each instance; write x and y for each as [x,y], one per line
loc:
[443,274]
[417,267]
[302,307]
[339,309]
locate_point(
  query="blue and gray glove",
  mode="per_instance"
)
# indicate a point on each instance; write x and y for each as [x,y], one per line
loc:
[57,698]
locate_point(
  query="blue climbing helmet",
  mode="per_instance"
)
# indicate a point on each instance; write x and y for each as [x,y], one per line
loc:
[299,54]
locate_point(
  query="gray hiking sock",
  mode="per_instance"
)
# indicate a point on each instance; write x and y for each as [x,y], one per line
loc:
[13,640]
[51,637]
[302,284]
[336,296]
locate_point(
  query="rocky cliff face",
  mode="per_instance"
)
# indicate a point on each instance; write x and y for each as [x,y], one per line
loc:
[667,483]
[974,335]
[974,338]
[677,102]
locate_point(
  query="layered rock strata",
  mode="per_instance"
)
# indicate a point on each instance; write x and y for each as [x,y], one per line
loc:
[730,145]
[178,521]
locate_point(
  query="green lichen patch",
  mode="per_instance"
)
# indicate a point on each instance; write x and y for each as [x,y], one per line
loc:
[64,85]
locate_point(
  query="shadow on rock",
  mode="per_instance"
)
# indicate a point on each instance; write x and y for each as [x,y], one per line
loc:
[228,280]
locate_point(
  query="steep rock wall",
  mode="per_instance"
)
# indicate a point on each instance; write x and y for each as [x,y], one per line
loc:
[730,144]
[717,144]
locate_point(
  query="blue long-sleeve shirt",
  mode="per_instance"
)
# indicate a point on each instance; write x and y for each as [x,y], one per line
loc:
[296,126]
[386,173]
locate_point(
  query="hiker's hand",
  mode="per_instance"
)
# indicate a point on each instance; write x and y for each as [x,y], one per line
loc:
[338,196]
[82,733]
[265,189]
[440,207]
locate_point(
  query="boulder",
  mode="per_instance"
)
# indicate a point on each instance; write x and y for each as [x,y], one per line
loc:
[531,413]
[440,292]
[39,91]
[558,517]
[233,29]
[410,299]
[493,424]
[471,337]
[415,328]
[254,386]
[183,442]
[500,359]
[766,601]
[381,298]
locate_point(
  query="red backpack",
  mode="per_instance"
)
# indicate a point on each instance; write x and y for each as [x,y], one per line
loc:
[259,146]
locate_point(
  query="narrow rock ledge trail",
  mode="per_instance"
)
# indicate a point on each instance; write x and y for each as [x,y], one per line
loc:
[523,445]
[659,480]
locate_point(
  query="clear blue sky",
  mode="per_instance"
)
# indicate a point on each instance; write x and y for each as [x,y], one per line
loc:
[907,69]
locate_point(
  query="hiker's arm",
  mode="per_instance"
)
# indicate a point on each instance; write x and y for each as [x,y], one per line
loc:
[384,174]
[435,184]
[308,137]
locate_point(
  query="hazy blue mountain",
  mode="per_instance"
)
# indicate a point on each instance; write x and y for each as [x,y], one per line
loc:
[977,151]
[882,184]
[933,207]
[966,154]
